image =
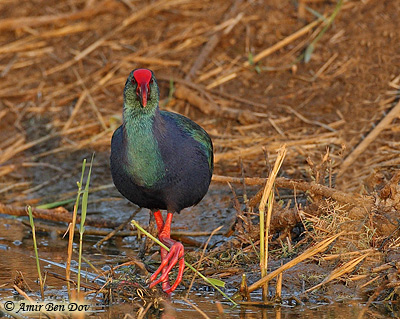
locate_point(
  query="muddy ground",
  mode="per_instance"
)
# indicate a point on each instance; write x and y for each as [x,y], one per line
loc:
[237,68]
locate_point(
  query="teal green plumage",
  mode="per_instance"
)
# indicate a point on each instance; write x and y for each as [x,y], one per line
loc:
[143,155]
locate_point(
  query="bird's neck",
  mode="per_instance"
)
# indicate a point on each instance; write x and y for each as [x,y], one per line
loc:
[142,149]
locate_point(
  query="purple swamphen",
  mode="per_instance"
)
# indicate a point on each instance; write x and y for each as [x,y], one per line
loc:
[161,161]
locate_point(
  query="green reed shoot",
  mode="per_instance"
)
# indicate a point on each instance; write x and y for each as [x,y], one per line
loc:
[85,197]
[310,49]
[72,228]
[56,204]
[36,251]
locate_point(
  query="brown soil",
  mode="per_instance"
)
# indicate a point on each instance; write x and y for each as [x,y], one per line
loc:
[63,66]
[346,85]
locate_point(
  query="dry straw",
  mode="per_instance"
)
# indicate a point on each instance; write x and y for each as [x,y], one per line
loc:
[319,247]
[268,197]
[340,271]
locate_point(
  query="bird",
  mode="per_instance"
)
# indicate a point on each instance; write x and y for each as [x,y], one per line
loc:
[159,160]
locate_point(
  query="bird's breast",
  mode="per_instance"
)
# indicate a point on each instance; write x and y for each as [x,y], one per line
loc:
[143,159]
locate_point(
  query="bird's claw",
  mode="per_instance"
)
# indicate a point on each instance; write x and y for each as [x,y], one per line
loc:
[174,256]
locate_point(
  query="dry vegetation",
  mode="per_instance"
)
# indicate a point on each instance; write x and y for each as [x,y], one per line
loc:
[237,68]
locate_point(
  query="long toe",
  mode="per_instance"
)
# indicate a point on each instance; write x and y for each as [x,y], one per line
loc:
[165,284]
[178,278]
[174,256]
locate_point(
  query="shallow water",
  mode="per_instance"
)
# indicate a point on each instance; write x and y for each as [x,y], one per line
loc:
[16,248]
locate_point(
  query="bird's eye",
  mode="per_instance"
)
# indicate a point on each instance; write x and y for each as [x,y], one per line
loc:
[151,81]
[133,81]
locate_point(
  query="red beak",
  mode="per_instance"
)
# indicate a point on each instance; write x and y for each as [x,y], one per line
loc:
[143,93]
[143,78]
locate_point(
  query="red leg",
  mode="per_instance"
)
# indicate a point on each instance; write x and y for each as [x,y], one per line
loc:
[160,225]
[168,261]
[159,220]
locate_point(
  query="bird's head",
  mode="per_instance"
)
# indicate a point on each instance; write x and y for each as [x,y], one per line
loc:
[141,90]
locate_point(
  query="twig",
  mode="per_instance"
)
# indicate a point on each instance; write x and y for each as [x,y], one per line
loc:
[138,15]
[201,258]
[111,234]
[212,43]
[91,101]
[372,298]
[76,109]
[265,53]
[201,312]
[17,23]
[85,285]
[350,253]
[278,289]
[312,187]
[209,107]
[176,234]
[336,273]
[59,214]
[305,120]
[23,293]
[383,124]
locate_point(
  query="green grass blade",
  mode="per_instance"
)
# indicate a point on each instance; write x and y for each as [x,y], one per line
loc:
[56,204]
[36,251]
[309,50]
[71,234]
[83,172]
[216,282]
[85,198]
[315,13]
[250,58]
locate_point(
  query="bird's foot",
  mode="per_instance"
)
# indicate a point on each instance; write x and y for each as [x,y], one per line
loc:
[168,261]
[165,284]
